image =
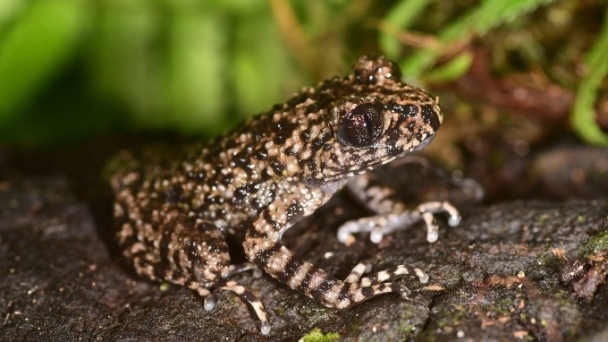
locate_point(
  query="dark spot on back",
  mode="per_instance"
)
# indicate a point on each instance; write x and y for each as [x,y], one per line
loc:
[283,130]
[277,167]
[240,193]
[294,212]
[174,195]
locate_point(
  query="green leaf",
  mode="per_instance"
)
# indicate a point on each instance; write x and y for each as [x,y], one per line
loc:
[35,48]
[452,70]
[583,115]
[401,16]
[478,21]
[259,70]
[197,71]
[124,61]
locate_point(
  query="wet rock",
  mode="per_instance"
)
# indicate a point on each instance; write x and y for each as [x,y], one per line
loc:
[525,269]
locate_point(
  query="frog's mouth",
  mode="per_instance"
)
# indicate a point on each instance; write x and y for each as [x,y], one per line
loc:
[422,144]
[382,161]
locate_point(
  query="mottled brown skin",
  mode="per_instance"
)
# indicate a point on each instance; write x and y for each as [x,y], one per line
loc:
[258,180]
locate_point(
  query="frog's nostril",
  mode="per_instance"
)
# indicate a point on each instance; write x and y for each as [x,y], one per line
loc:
[431,116]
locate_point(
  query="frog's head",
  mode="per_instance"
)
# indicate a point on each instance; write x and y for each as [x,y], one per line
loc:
[381,120]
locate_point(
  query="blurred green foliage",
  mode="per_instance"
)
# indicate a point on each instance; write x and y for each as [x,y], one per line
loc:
[475,22]
[34,47]
[72,68]
[160,64]
[583,114]
[487,15]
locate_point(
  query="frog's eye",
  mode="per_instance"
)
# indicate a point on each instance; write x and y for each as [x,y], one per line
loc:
[362,126]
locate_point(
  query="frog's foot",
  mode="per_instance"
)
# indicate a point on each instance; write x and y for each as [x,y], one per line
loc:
[246,296]
[315,283]
[364,267]
[360,288]
[381,225]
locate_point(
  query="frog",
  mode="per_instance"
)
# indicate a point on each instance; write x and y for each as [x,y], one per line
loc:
[175,211]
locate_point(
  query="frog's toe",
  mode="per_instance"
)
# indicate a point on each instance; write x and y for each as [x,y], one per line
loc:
[209,302]
[252,300]
[392,273]
[358,271]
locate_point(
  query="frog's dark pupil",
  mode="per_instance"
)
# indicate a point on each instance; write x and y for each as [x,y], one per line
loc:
[362,126]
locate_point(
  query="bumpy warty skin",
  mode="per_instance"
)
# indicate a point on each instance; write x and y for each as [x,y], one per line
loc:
[176,208]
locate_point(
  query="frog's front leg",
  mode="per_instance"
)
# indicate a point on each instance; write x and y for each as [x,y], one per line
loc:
[392,215]
[263,247]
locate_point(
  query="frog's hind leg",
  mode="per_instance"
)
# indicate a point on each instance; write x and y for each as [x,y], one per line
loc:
[282,264]
[208,259]
[191,253]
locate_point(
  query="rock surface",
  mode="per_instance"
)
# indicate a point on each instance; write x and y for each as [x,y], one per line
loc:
[527,270]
